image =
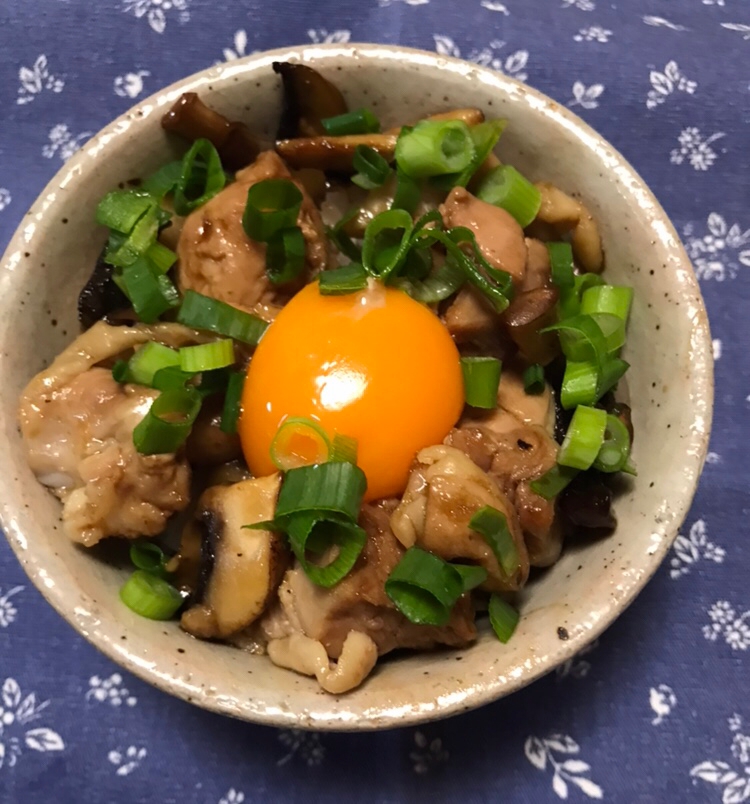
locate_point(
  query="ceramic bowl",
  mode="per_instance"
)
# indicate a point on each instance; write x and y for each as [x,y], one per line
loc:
[670,383]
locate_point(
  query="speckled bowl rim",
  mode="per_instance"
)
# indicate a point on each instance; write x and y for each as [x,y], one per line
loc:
[701,390]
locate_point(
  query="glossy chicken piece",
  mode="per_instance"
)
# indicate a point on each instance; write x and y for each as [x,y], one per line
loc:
[499,237]
[445,490]
[217,258]
[359,602]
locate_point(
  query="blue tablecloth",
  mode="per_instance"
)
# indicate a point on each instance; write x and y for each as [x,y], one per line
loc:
[658,710]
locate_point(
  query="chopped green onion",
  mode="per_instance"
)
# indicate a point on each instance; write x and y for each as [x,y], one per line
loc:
[343,448]
[629,468]
[164,180]
[213,381]
[441,285]
[435,147]
[533,380]
[485,137]
[124,249]
[120,210]
[151,294]
[581,338]
[272,206]
[149,359]
[299,442]
[160,257]
[201,177]
[613,329]
[407,195]
[149,557]
[167,423]
[611,373]
[561,264]
[230,413]
[207,356]
[424,588]
[481,381]
[341,239]
[580,384]
[492,524]
[171,378]
[150,596]
[584,438]
[203,312]
[339,281]
[372,169]
[505,187]
[503,618]
[121,372]
[615,450]
[285,256]
[612,299]
[471,575]
[387,240]
[360,121]
[307,533]
[553,481]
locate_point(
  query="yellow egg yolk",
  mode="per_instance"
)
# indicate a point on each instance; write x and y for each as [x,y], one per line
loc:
[374,365]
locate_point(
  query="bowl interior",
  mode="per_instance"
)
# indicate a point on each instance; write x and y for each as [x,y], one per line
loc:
[670,385]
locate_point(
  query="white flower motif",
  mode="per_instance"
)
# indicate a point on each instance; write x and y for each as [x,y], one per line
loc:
[688,550]
[34,80]
[239,49]
[110,690]
[582,5]
[577,667]
[127,761]
[428,754]
[711,459]
[492,5]
[513,65]
[321,36]
[729,623]
[155,11]
[62,142]
[384,3]
[663,84]
[736,783]
[541,752]
[232,797]
[713,2]
[662,700]
[305,744]
[719,254]
[16,712]
[739,27]
[695,148]
[660,22]
[594,33]
[721,612]
[130,85]
[8,612]
[586,97]
[716,348]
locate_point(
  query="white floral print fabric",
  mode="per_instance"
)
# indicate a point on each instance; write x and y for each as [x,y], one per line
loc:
[663,692]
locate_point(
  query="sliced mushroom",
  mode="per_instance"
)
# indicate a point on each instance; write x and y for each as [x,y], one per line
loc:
[243,566]
[308,99]
[333,153]
[528,314]
[190,118]
[471,116]
[207,444]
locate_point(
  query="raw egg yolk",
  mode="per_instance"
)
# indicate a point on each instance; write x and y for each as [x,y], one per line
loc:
[373,365]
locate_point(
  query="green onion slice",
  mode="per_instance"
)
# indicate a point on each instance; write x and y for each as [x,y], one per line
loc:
[201,178]
[408,194]
[424,588]
[581,339]
[387,240]
[611,373]
[160,257]
[124,249]
[299,442]
[505,187]
[553,481]
[149,359]
[121,372]
[561,264]
[120,210]
[503,618]
[272,206]
[481,381]
[580,384]
[471,575]
[150,596]
[341,239]
[615,449]
[167,423]
[584,438]
[149,557]
[360,121]
[339,281]
[533,380]
[285,256]
[440,285]
[372,169]
[151,294]
[333,489]
[435,147]
[493,526]
[485,137]
[207,356]
[171,378]
[164,180]
[230,413]
[203,312]
[343,448]
[611,299]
